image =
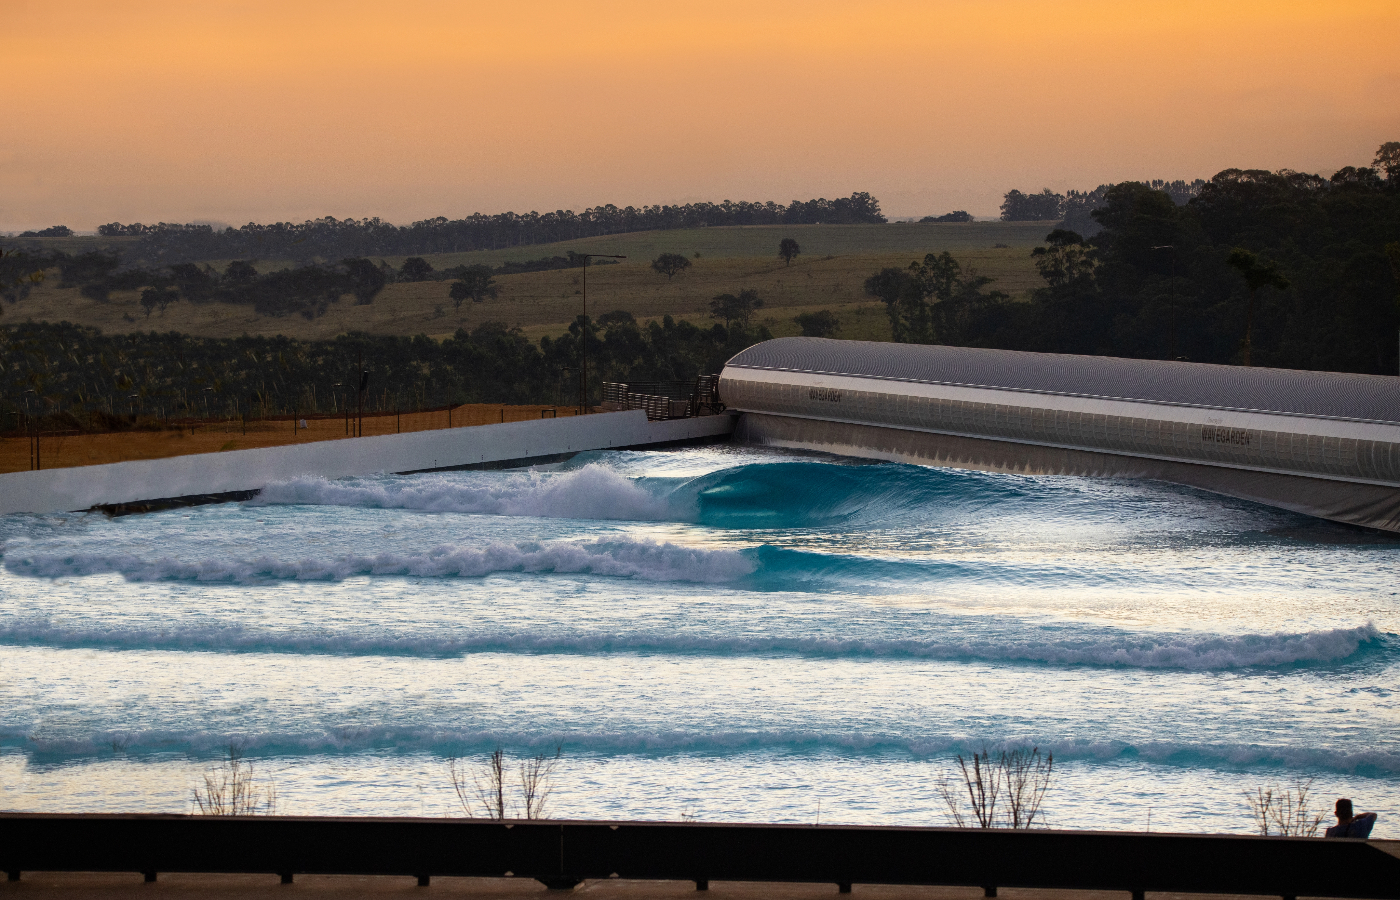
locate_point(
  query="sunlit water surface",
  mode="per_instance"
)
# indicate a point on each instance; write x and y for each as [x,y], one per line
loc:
[716,634]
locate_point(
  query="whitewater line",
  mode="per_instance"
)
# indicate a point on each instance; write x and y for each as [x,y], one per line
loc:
[1175,651]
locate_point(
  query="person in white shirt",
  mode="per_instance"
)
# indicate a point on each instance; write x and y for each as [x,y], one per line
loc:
[1350,825]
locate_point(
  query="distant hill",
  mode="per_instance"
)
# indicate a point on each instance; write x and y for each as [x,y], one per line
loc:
[333,239]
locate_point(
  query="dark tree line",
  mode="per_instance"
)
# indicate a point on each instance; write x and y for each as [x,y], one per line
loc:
[928,303]
[73,377]
[329,238]
[1075,209]
[305,290]
[1280,269]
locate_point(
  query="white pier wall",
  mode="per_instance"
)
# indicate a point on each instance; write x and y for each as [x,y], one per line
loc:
[83,487]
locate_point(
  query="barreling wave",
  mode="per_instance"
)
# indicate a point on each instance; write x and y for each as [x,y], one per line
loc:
[619,557]
[676,742]
[777,495]
[1155,652]
[813,494]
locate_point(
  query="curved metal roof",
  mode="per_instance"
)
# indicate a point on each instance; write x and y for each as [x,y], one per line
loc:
[1337,395]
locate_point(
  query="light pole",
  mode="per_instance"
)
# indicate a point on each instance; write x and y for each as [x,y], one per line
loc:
[33,431]
[360,395]
[583,330]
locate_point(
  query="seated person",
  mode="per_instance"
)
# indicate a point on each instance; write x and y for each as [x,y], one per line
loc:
[1349,825]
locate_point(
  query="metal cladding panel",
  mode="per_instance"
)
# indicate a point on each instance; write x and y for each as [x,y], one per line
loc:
[1366,504]
[1374,398]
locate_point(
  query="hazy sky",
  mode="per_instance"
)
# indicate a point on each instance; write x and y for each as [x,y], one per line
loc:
[238,111]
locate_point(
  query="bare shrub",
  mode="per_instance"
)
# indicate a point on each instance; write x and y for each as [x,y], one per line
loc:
[233,790]
[537,782]
[1027,776]
[1017,780]
[1284,811]
[981,781]
[483,789]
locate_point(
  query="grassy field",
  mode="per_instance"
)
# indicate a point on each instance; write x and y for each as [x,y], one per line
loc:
[829,274]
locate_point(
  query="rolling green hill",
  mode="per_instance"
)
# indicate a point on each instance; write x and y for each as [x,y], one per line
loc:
[829,274]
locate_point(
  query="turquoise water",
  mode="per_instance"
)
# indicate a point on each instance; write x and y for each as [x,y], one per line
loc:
[718,634]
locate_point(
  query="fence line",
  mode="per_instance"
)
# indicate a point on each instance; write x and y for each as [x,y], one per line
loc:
[563,853]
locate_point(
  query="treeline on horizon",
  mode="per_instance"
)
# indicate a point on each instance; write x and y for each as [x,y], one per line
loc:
[1074,210]
[330,238]
[66,376]
[1307,267]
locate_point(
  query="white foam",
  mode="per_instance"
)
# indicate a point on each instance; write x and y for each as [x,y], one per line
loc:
[592,492]
[1176,652]
[621,558]
[373,738]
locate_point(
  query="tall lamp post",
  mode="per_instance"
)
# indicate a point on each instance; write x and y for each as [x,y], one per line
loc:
[583,330]
[33,431]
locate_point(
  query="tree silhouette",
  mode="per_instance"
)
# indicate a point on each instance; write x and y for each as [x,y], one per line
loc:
[1019,207]
[476,282]
[366,279]
[158,297]
[240,273]
[670,264]
[818,324]
[1388,160]
[788,250]
[51,231]
[1256,274]
[19,274]
[415,268]
[735,309]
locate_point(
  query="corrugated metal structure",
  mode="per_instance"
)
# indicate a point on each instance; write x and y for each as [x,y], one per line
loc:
[1326,444]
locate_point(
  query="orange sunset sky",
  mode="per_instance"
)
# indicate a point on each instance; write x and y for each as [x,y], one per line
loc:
[260,111]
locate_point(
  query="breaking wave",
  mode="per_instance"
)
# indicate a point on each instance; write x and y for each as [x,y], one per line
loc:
[620,558]
[592,492]
[1150,652]
[727,743]
[768,495]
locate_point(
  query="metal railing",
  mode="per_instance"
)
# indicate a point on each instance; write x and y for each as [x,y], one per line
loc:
[562,853]
[665,399]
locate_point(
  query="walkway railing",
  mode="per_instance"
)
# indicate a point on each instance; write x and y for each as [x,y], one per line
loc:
[562,853]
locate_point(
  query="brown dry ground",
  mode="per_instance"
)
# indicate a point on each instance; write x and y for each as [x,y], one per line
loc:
[829,274]
[93,449]
[53,886]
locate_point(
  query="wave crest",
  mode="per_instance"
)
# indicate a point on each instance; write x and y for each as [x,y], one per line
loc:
[1173,652]
[669,742]
[620,558]
[592,492]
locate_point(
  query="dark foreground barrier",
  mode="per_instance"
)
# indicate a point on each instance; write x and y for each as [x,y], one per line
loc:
[561,853]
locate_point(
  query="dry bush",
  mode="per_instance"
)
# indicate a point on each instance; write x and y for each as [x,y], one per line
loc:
[1016,779]
[537,782]
[1284,811]
[1026,776]
[484,789]
[233,790]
